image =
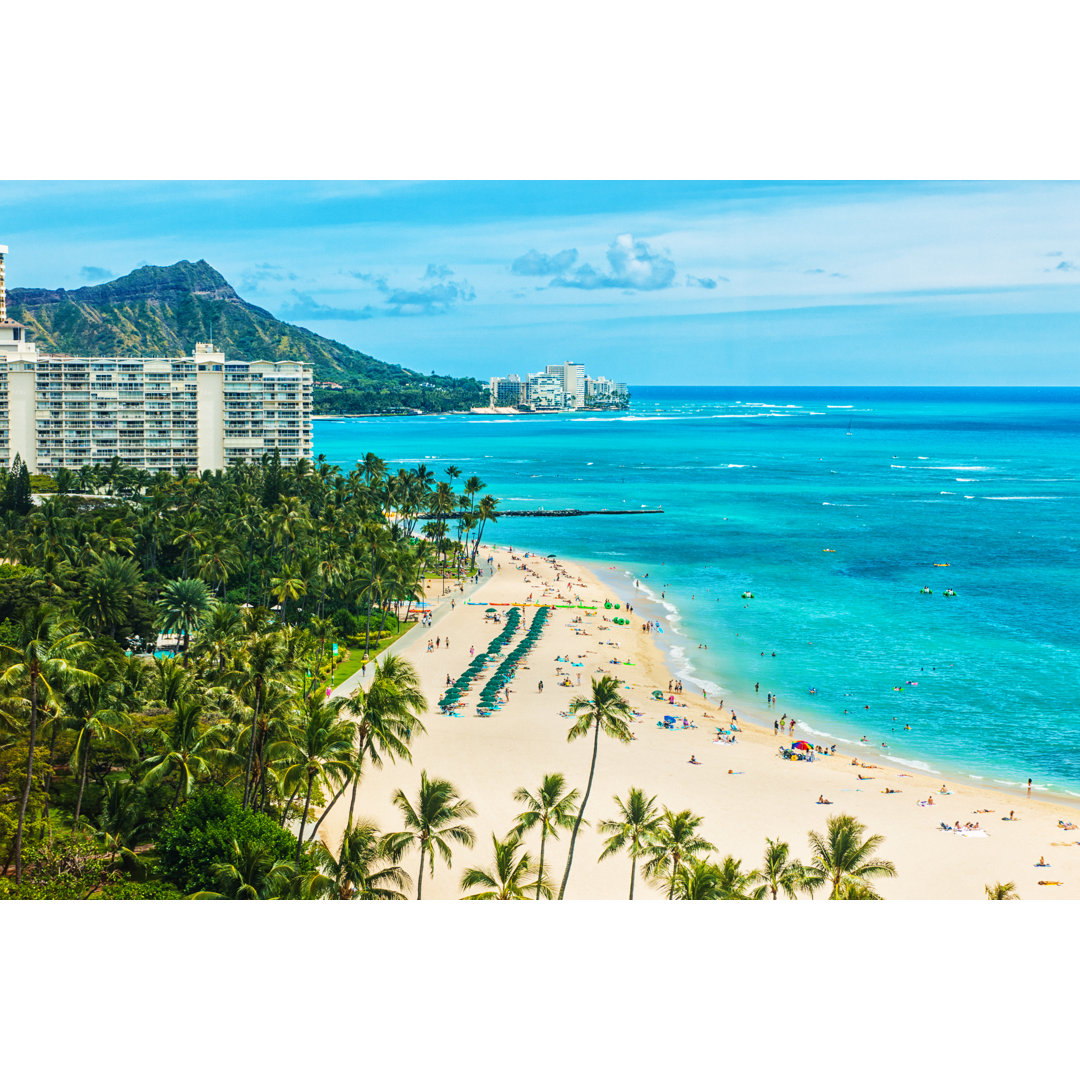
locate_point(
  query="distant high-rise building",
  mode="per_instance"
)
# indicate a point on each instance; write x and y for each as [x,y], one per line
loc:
[506,391]
[198,412]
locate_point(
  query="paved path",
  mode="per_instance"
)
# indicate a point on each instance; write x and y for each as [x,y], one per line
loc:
[439,610]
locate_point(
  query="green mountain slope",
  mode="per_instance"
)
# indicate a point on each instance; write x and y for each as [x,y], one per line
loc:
[165,310]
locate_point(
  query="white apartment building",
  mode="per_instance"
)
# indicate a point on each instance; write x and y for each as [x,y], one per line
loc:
[198,412]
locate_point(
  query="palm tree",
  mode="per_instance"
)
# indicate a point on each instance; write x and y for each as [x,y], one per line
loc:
[183,605]
[606,710]
[732,883]
[46,659]
[632,829]
[552,808]
[778,873]
[507,878]
[363,870]
[187,749]
[436,819]
[674,840]
[389,712]
[260,670]
[252,874]
[696,879]
[321,749]
[842,856]
[1002,890]
[94,711]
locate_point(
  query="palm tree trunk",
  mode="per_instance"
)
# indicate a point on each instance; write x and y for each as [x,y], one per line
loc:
[288,805]
[29,778]
[420,876]
[82,780]
[303,820]
[330,806]
[540,872]
[633,873]
[674,871]
[251,752]
[581,812]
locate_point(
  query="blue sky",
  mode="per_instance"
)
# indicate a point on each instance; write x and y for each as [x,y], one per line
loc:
[649,282]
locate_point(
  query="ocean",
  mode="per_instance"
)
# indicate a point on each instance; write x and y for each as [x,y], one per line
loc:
[832,507]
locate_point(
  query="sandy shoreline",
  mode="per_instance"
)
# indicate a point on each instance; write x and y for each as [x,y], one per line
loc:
[744,791]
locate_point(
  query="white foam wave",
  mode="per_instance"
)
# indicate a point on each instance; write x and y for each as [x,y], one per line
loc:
[966,480]
[1021,498]
[839,406]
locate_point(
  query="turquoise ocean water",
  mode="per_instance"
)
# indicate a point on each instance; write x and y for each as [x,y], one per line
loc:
[755,484]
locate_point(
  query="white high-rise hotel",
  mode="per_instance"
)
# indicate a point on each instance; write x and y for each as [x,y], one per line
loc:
[193,412]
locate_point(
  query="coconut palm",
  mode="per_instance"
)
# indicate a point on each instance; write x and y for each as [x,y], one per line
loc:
[252,873]
[608,711]
[435,819]
[363,870]
[696,879]
[94,712]
[842,856]
[187,749]
[508,878]
[111,589]
[47,658]
[552,807]
[1002,890]
[632,829]
[673,841]
[261,669]
[778,873]
[389,714]
[182,606]
[321,749]
[732,882]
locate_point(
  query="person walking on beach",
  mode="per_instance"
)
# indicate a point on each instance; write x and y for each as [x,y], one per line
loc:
[791,727]
[776,727]
[540,689]
[1029,787]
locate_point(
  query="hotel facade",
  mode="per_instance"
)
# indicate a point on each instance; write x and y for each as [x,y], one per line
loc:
[195,413]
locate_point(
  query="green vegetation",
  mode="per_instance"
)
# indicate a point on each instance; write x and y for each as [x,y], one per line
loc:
[165,310]
[197,768]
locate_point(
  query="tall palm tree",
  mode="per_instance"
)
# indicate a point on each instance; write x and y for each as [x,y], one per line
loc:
[696,879]
[321,748]
[608,711]
[508,878]
[47,658]
[674,840]
[632,829]
[187,749]
[389,714]
[183,605]
[94,712]
[552,807]
[261,669]
[363,870]
[435,819]
[1002,890]
[842,857]
[778,873]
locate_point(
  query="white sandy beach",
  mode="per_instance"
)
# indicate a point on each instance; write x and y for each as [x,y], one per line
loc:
[744,791]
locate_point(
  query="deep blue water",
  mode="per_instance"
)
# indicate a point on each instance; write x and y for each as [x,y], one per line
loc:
[755,484]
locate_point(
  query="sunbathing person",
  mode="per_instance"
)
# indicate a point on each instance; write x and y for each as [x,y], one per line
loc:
[822,801]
